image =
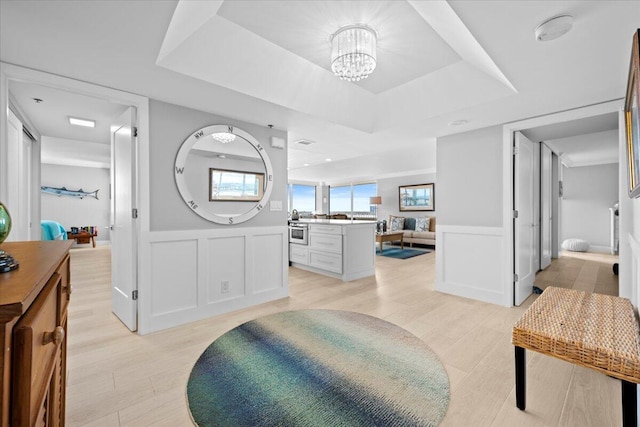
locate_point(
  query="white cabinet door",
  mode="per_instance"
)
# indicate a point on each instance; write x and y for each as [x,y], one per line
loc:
[298,253]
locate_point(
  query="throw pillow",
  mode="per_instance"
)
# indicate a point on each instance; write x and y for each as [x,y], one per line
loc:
[397,223]
[422,224]
[409,223]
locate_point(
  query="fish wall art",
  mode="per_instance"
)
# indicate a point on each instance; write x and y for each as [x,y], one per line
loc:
[72,193]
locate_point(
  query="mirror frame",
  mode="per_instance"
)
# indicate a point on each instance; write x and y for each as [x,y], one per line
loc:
[180,165]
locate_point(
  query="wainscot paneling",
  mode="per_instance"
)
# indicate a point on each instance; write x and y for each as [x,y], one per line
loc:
[469,263]
[174,263]
[191,275]
[635,267]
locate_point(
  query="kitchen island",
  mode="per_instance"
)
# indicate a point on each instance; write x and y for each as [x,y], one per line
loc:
[339,248]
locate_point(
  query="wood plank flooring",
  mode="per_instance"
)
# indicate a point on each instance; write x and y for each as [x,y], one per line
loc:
[118,378]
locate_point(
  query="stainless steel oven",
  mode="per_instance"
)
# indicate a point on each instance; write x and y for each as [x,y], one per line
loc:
[298,233]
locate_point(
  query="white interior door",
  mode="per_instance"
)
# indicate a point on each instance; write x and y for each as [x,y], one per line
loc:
[123,228]
[20,188]
[524,251]
[545,207]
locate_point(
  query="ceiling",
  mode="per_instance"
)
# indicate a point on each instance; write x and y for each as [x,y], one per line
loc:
[267,62]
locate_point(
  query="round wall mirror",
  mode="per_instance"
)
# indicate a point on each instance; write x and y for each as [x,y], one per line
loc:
[223,174]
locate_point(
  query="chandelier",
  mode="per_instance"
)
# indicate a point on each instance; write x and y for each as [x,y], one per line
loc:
[224,137]
[353,52]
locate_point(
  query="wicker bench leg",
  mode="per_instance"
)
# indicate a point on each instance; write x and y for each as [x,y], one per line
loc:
[629,404]
[521,380]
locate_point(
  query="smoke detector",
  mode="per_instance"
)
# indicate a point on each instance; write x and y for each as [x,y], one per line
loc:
[554,28]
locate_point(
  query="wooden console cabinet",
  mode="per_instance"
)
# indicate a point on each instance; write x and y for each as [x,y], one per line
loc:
[33,334]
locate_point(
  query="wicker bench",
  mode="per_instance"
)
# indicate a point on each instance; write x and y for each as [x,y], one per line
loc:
[592,330]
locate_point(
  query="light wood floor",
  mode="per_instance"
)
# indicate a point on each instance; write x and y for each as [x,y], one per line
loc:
[118,378]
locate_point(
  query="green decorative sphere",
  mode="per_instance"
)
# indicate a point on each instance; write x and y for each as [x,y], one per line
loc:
[5,223]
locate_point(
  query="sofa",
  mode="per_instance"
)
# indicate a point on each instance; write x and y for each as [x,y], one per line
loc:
[425,235]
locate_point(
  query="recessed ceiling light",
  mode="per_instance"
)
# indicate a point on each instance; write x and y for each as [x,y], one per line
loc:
[222,156]
[553,28]
[82,122]
[306,164]
[458,122]
[327,159]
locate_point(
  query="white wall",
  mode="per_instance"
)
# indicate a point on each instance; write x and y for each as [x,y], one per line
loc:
[470,233]
[470,178]
[588,193]
[73,211]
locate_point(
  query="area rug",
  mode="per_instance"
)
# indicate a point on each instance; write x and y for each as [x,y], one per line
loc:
[399,253]
[318,368]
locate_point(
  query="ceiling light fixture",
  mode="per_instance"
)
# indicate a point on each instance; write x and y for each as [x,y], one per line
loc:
[458,122]
[82,122]
[554,28]
[353,52]
[224,137]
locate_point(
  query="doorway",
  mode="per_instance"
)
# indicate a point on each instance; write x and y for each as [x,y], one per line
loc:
[552,131]
[73,98]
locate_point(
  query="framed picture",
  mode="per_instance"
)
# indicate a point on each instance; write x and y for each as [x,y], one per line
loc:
[632,119]
[419,197]
[235,186]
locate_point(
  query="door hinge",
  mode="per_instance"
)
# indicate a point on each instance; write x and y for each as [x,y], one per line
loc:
[134,213]
[134,295]
[515,277]
[134,131]
[514,150]
[515,213]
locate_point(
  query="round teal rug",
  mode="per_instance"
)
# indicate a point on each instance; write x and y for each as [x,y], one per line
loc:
[318,368]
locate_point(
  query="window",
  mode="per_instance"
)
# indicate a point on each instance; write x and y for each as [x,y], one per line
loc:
[341,197]
[303,199]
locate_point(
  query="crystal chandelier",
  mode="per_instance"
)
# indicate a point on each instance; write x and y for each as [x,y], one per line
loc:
[353,52]
[224,137]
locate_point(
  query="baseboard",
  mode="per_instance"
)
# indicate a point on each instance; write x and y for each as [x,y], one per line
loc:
[600,249]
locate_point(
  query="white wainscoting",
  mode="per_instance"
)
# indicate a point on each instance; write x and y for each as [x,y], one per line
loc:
[469,263]
[182,273]
[635,269]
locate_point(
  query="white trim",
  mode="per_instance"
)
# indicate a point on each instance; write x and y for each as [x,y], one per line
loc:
[600,249]
[508,130]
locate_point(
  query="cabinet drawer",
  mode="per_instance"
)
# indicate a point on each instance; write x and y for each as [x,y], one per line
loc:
[326,261]
[325,229]
[298,253]
[326,242]
[37,338]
